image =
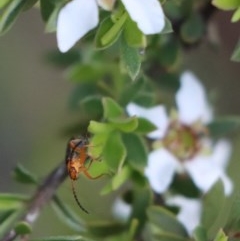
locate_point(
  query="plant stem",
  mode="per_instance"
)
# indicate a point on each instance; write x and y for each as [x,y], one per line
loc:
[42,196]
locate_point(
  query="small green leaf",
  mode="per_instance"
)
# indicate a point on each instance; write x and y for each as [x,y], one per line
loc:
[47,7]
[111,109]
[118,180]
[200,234]
[125,125]
[236,53]
[106,34]
[114,151]
[92,105]
[12,201]
[130,58]
[10,14]
[165,221]
[22,228]
[133,36]
[213,202]
[236,15]
[136,151]
[67,215]
[192,29]
[133,229]
[169,237]
[144,126]
[223,126]
[98,127]
[64,238]
[226,4]
[51,24]
[168,27]
[221,236]
[21,174]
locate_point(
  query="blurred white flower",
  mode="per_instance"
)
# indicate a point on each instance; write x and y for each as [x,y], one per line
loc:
[182,143]
[78,17]
[189,211]
[121,210]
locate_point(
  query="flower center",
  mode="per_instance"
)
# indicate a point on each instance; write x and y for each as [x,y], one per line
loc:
[182,140]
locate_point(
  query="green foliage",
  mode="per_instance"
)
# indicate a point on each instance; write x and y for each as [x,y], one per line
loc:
[200,234]
[226,4]
[236,53]
[22,228]
[64,238]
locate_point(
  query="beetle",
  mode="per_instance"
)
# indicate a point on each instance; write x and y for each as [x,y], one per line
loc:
[78,161]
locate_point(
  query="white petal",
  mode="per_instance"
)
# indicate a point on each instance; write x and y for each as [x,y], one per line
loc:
[147,13]
[189,213]
[221,153]
[228,184]
[157,115]
[75,19]
[204,173]
[121,209]
[192,101]
[106,4]
[160,170]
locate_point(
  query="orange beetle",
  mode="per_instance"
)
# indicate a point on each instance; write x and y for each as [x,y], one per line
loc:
[76,159]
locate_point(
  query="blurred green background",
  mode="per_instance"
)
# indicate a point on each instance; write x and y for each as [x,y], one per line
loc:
[34,106]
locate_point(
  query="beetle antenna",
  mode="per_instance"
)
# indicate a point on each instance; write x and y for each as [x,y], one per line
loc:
[76,198]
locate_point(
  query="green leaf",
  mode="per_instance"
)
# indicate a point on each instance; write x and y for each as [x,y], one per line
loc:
[200,234]
[144,126]
[47,7]
[223,126]
[107,33]
[213,202]
[67,215]
[51,24]
[136,151]
[236,15]
[118,180]
[221,236]
[10,14]
[98,127]
[125,125]
[192,29]
[105,228]
[236,53]
[12,201]
[111,109]
[168,27]
[92,105]
[22,228]
[64,238]
[169,237]
[226,4]
[85,72]
[3,3]
[114,151]
[21,174]
[130,58]
[133,36]
[130,91]
[164,220]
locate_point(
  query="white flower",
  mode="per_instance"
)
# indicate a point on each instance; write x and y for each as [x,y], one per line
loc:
[182,145]
[121,210]
[78,17]
[190,211]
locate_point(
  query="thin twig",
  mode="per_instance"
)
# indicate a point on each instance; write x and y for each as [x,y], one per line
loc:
[42,196]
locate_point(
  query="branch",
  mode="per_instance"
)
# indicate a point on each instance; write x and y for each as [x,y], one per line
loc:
[42,196]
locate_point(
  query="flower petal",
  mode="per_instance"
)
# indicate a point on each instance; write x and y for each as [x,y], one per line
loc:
[189,213]
[221,153]
[106,4]
[147,13]
[121,209]
[75,19]
[160,170]
[204,173]
[157,115]
[192,101]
